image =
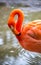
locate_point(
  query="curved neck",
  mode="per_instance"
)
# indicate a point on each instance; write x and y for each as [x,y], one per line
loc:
[17,25]
[19,21]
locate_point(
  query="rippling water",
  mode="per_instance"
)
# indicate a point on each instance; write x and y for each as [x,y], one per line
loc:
[11,53]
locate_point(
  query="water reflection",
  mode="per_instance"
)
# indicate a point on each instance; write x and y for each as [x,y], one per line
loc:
[1,41]
[9,60]
[11,53]
[23,58]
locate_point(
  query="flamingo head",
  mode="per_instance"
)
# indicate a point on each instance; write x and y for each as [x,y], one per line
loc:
[16,27]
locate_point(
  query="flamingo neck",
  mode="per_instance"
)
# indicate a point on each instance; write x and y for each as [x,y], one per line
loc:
[19,21]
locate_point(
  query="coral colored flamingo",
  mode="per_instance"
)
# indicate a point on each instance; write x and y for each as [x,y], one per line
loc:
[29,36]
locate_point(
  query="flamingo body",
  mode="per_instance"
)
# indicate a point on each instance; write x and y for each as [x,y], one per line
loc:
[29,36]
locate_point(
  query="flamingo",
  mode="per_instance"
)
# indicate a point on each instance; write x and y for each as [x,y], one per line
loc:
[29,35]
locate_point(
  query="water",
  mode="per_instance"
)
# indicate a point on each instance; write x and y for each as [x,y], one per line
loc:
[26,3]
[11,53]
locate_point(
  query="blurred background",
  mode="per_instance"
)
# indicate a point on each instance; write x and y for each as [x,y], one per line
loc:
[11,53]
